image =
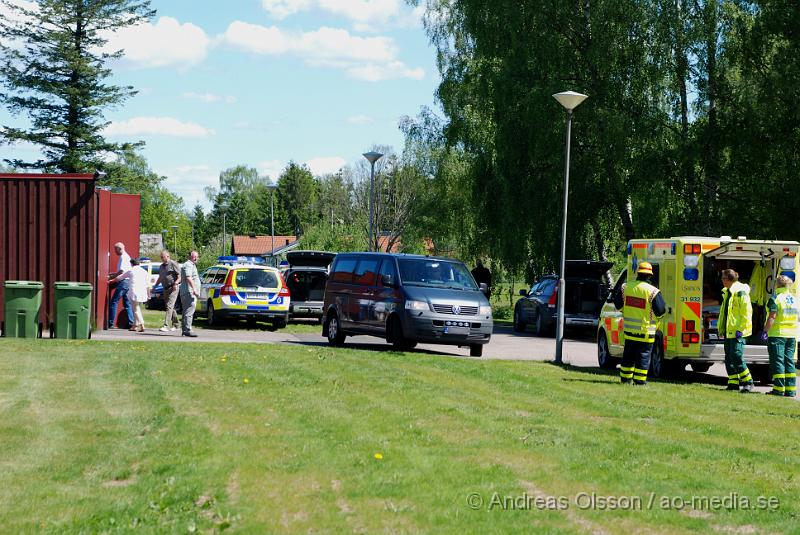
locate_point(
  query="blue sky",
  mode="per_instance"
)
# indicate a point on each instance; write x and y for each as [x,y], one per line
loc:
[262,82]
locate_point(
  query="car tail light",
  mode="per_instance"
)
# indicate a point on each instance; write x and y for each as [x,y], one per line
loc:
[227,288]
[284,289]
[554,296]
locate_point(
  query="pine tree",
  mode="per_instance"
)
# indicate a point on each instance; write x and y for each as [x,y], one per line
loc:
[53,68]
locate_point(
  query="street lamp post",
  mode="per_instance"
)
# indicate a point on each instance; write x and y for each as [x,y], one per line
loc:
[272,187]
[570,100]
[372,157]
[164,233]
[175,239]
[224,213]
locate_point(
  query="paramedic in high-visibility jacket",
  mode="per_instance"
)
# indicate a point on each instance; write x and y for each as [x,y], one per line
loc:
[641,305]
[735,324]
[781,335]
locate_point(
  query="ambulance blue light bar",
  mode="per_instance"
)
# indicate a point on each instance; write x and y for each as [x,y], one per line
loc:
[241,260]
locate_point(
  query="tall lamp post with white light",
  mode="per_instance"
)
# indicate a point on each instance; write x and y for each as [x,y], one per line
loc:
[175,239]
[372,157]
[272,187]
[570,100]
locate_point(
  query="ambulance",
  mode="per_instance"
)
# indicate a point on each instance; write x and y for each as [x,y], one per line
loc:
[687,271]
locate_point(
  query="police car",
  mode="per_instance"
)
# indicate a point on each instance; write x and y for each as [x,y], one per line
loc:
[243,287]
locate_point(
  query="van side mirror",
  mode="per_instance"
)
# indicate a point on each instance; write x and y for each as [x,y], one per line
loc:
[523,292]
[387,280]
[484,288]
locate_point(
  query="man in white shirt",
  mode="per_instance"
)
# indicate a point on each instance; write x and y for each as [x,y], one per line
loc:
[189,292]
[121,289]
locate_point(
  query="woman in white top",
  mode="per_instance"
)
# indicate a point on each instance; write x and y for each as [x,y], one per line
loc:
[138,293]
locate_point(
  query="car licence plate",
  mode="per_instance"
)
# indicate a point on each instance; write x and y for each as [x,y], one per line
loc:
[456,330]
[256,295]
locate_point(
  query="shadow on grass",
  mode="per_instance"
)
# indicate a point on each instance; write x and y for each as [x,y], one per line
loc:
[681,377]
[377,347]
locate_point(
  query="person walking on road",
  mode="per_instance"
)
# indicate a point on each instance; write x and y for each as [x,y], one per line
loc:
[735,324]
[138,293]
[641,304]
[780,332]
[121,288]
[189,292]
[169,276]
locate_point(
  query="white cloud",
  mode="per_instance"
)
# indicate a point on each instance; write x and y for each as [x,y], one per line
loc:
[376,72]
[365,58]
[167,43]
[189,182]
[271,168]
[209,97]
[365,15]
[326,164]
[360,119]
[280,9]
[156,126]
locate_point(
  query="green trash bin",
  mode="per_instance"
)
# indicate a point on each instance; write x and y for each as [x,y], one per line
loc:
[73,305]
[22,302]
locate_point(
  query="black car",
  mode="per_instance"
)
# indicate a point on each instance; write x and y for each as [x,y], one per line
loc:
[306,278]
[586,292]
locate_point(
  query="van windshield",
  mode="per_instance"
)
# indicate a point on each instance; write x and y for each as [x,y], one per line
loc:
[436,273]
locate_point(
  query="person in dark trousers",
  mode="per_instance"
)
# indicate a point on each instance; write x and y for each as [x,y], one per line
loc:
[735,324]
[482,274]
[122,285]
[641,304]
[781,335]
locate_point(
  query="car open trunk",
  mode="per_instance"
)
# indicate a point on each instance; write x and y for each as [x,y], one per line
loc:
[585,296]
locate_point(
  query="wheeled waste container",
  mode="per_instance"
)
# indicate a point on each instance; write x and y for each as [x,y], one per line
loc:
[73,304]
[21,304]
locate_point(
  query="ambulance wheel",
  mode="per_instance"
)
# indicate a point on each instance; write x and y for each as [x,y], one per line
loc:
[211,316]
[604,358]
[660,368]
[519,323]
[701,367]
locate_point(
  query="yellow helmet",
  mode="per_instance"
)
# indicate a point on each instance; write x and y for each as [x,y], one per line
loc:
[645,268]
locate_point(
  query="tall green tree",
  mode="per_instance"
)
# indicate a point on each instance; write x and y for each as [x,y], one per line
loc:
[53,70]
[297,196]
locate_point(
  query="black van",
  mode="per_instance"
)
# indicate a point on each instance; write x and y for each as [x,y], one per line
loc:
[406,299]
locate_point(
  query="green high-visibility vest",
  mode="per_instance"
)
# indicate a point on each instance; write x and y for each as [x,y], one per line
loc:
[637,311]
[785,325]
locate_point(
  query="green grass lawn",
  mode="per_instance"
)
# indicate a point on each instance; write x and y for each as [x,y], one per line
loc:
[153,319]
[114,436]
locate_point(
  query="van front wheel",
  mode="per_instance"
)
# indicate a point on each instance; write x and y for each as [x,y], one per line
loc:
[396,337]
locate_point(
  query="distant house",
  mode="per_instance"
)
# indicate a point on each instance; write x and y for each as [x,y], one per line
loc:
[255,245]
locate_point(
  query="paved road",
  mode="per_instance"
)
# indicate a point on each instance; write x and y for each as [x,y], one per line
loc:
[579,348]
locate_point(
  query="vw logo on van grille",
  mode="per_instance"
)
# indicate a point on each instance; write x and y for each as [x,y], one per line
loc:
[456,310]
